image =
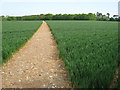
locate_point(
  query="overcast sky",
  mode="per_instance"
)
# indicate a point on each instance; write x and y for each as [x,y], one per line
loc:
[33,7]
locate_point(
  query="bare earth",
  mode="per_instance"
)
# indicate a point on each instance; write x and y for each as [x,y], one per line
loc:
[36,65]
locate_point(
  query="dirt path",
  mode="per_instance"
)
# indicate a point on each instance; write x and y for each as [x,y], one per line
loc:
[36,65]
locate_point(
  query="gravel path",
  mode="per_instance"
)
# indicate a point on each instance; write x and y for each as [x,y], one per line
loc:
[36,65]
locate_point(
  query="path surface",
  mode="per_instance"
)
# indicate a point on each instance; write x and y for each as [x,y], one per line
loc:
[36,65]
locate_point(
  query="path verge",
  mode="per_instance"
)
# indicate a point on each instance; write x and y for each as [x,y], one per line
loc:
[36,65]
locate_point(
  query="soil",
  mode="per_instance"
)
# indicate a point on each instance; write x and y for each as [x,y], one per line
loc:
[116,77]
[36,64]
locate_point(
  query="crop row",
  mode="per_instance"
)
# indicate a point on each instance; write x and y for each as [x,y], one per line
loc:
[15,34]
[89,50]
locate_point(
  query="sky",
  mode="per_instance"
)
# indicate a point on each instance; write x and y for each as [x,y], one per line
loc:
[35,7]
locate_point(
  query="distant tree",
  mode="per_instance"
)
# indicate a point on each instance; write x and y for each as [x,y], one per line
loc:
[3,18]
[112,19]
[89,16]
[58,17]
[101,17]
[10,18]
[48,16]
[108,14]
[41,17]
[119,19]
[116,16]
[97,14]
[104,18]
[100,14]
[18,18]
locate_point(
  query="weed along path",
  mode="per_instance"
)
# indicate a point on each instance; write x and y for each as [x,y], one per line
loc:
[36,65]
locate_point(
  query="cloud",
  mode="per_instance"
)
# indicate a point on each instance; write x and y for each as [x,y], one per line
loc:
[60,1]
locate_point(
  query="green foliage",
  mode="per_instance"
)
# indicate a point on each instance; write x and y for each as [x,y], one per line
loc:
[112,19]
[15,34]
[10,18]
[89,16]
[89,50]
[101,17]
[115,19]
[3,18]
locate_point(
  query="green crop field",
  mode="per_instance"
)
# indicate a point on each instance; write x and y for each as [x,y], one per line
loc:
[15,34]
[89,50]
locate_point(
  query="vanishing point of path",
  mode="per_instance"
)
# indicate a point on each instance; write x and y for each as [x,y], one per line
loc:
[36,65]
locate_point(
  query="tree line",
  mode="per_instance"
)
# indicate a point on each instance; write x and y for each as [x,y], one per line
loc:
[90,16]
